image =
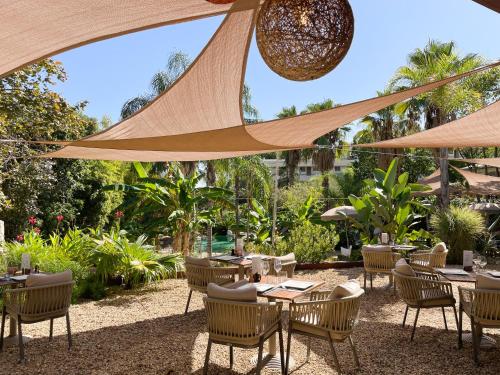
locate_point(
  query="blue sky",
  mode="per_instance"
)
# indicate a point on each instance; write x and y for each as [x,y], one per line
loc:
[108,73]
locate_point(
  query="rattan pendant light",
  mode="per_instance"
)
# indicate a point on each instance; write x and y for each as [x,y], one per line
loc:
[221,1]
[304,39]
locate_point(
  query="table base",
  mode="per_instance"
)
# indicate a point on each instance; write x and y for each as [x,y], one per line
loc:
[272,362]
[487,342]
[14,340]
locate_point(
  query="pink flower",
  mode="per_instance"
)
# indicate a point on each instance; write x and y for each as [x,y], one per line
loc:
[36,230]
[119,214]
[32,220]
[59,218]
[19,238]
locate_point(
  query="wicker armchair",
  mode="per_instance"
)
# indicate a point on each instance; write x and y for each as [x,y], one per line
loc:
[244,325]
[378,261]
[427,261]
[329,319]
[482,306]
[424,291]
[288,264]
[199,275]
[36,304]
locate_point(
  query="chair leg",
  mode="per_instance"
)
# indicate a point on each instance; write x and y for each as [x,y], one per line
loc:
[365,281]
[288,347]
[455,314]
[354,352]
[415,324]
[282,349]
[20,339]
[189,300]
[2,329]
[308,355]
[68,329]
[459,325]
[334,353]
[51,330]
[259,358]
[231,356]
[444,318]
[207,357]
[406,314]
[476,340]
[371,281]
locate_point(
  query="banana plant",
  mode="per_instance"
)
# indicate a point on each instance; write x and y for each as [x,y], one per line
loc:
[176,203]
[388,205]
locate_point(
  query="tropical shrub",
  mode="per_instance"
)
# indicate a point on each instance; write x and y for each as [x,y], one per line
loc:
[460,228]
[388,206]
[95,258]
[311,243]
[135,262]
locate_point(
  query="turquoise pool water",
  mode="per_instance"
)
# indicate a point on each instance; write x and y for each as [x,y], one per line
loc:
[220,244]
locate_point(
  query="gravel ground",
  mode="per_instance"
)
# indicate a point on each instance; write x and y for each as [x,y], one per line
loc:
[145,332]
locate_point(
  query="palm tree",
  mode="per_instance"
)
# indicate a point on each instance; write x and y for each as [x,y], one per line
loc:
[386,124]
[329,147]
[292,157]
[437,61]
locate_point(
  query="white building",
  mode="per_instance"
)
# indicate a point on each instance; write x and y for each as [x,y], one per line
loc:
[306,169]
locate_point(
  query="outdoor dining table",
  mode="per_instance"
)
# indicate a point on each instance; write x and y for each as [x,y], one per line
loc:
[244,263]
[13,282]
[288,294]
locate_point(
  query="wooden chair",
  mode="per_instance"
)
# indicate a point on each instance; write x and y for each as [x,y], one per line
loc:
[427,261]
[36,304]
[288,264]
[200,273]
[379,261]
[244,325]
[322,317]
[424,291]
[482,306]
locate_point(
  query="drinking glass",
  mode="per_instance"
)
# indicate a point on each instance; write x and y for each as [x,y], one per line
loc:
[482,261]
[475,262]
[265,267]
[277,267]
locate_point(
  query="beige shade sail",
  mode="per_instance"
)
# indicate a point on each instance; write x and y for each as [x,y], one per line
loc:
[34,29]
[492,162]
[492,4]
[282,134]
[433,181]
[479,129]
[480,184]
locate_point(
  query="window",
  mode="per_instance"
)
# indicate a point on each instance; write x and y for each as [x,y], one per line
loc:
[309,171]
[337,168]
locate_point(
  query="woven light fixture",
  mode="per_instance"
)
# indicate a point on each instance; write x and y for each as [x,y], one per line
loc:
[221,1]
[304,39]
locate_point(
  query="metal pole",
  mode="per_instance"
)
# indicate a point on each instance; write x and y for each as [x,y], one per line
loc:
[275,199]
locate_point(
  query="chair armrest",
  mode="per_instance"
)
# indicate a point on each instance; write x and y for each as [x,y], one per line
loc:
[427,276]
[422,257]
[396,257]
[433,285]
[270,315]
[223,274]
[319,295]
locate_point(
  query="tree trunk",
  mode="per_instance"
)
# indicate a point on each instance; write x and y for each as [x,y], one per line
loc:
[275,203]
[445,179]
[326,188]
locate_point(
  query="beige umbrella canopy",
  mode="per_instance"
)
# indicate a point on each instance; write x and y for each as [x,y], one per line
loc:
[485,207]
[339,213]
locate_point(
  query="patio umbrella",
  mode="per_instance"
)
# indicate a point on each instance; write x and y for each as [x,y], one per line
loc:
[485,207]
[340,213]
